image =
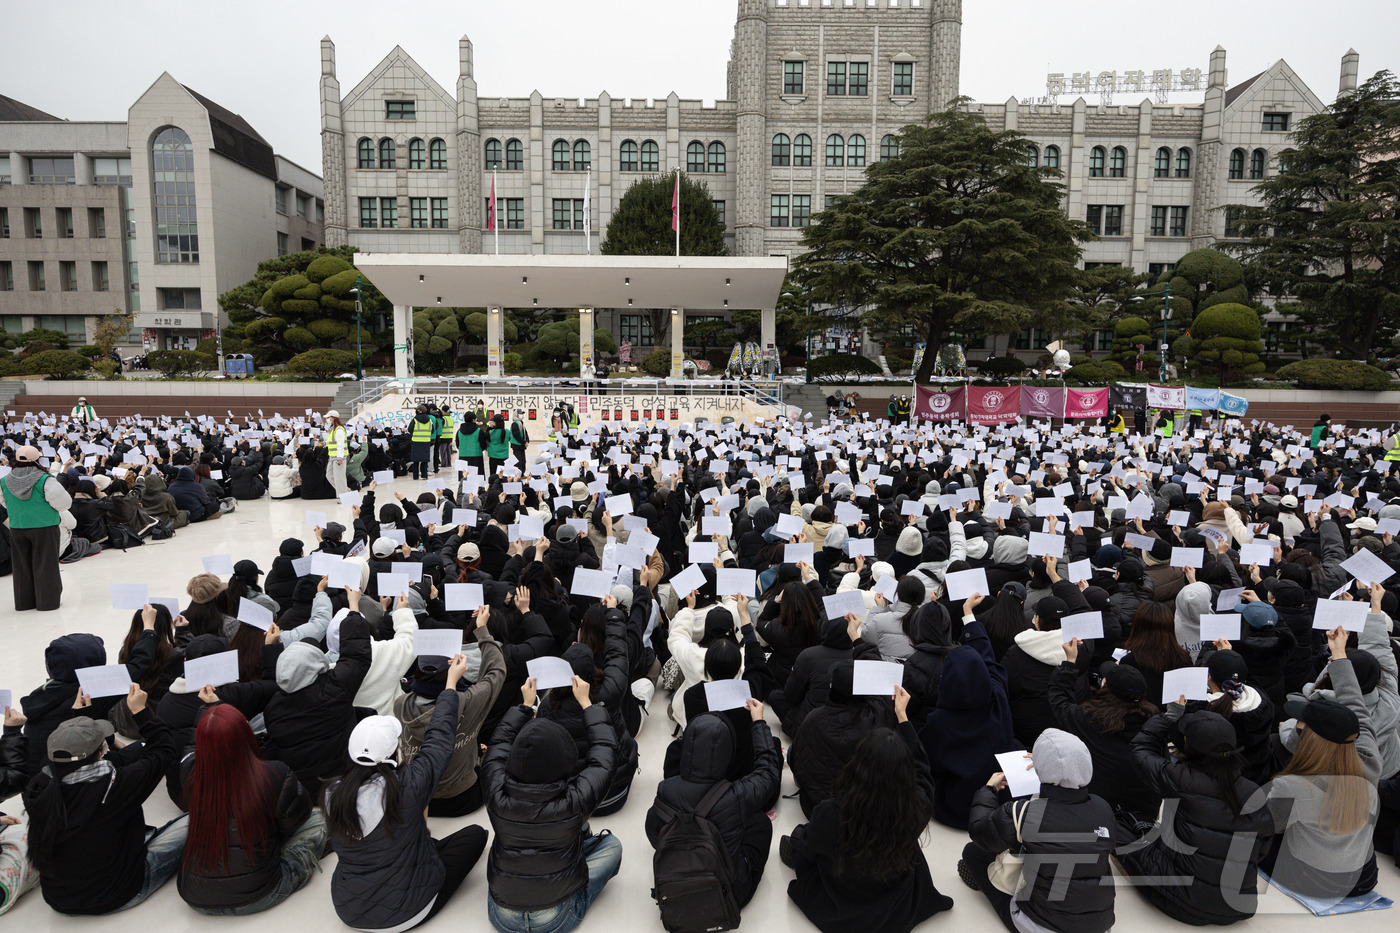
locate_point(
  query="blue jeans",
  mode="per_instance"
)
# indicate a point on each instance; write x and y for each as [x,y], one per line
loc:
[165,847]
[604,857]
[301,855]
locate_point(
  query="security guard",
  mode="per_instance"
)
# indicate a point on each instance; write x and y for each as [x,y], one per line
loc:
[421,437]
[447,431]
[1118,425]
[905,408]
[337,451]
[1196,419]
[1392,453]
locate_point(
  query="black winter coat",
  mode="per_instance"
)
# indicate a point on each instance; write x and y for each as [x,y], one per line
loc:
[247,877]
[281,581]
[246,482]
[740,814]
[810,682]
[828,738]
[610,692]
[389,876]
[1028,669]
[310,729]
[1220,847]
[1066,836]
[1114,779]
[837,898]
[14,762]
[536,859]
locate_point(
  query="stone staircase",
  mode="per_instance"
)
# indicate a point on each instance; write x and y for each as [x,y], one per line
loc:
[10,389]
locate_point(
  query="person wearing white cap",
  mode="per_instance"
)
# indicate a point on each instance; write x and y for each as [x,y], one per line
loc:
[34,534]
[83,411]
[337,452]
[391,874]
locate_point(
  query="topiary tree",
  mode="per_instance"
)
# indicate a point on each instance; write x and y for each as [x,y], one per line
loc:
[175,362]
[90,352]
[603,340]
[1224,339]
[841,367]
[323,363]
[657,362]
[559,341]
[56,364]
[1008,365]
[1094,373]
[1129,334]
[1336,374]
[56,338]
[8,366]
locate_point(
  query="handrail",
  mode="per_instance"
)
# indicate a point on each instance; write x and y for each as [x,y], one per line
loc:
[764,392]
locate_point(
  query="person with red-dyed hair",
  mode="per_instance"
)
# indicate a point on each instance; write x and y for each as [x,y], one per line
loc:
[253,838]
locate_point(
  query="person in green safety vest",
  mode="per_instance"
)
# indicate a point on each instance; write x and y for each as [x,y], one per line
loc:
[83,411]
[1319,431]
[35,502]
[892,410]
[337,452]
[420,436]
[519,438]
[437,434]
[497,442]
[469,446]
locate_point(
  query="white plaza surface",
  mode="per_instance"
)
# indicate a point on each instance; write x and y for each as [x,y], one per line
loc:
[253,532]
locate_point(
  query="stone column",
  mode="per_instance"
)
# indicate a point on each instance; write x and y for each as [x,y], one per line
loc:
[494,329]
[677,341]
[768,338]
[585,341]
[403,341]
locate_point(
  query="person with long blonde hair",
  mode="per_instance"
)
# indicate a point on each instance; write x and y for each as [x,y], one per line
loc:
[1325,802]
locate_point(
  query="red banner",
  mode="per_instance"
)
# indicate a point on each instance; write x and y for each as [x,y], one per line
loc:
[1043,401]
[995,405]
[932,405]
[1087,403]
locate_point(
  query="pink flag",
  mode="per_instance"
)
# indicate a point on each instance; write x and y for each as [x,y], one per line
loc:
[1087,403]
[1043,401]
[491,206]
[993,405]
[676,205]
[931,405]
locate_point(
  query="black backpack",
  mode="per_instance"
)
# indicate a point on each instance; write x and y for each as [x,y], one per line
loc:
[693,874]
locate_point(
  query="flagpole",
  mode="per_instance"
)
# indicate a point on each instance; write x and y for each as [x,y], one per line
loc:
[676,212]
[495,222]
[588,214]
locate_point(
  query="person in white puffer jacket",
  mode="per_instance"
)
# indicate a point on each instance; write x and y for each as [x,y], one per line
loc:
[692,630]
[281,479]
[389,659]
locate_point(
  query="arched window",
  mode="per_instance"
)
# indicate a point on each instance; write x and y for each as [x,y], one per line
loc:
[1097,155]
[493,154]
[416,152]
[365,150]
[835,150]
[1183,163]
[889,147]
[627,156]
[855,151]
[695,157]
[1118,162]
[651,156]
[1032,157]
[1236,164]
[1052,157]
[387,153]
[1257,159]
[437,154]
[515,155]
[561,156]
[782,149]
[802,150]
[717,157]
[583,156]
[1162,165]
[172,164]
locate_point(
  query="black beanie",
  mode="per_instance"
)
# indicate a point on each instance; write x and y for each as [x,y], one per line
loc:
[291,547]
[543,752]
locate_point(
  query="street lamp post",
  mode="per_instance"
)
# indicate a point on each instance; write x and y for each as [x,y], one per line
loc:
[1166,316]
[359,365]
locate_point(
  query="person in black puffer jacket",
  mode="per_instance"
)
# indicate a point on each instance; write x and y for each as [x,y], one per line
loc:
[281,580]
[1106,723]
[523,636]
[191,497]
[829,735]
[310,716]
[1294,606]
[741,812]
[1066,834]
[808,685]
[391,874]
[544,869]
[934,634]
[245,477]
[52,703]
[1029,665]
[1265,646]
[1212,842]
[1247,708]
[225,872]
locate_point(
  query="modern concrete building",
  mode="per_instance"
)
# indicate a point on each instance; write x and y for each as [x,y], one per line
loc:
[818,90]
[154,216]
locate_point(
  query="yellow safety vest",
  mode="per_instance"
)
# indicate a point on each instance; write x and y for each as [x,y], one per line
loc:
[449,425]
[422,431]
[1393,454]
[336,444]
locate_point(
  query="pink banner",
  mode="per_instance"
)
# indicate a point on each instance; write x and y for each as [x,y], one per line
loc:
[995,405]
[1087,403]
[1043,401]
[932,405]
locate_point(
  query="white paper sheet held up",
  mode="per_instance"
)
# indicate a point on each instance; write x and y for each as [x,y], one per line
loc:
[594,584]
[731,582]
[111,680]
[703,552]
[254,614]
[877,678]
[685,582]
[965,583]
[392,584]
[462,597]
[345,575]
[1215,625]
[721,695]
[1187,681]
[797,553]
[1085,626]
[1079,570]
[1350,614]
[850,601]
[1021,778]
[550,673]
[437,642]
[213,669]
[1042,544]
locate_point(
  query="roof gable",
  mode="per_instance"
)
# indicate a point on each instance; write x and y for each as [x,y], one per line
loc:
[235,139]
[398,56]
[11,109]
[1280,72]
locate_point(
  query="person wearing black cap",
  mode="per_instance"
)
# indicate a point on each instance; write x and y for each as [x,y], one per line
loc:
[1215,840]
[1325,803]
[87,832]
[282,578]
[1106,720]
[391,874]
[545,869]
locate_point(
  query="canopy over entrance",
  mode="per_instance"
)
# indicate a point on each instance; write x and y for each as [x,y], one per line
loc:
[425,280]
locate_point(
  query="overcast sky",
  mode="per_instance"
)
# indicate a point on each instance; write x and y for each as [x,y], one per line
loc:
[85,60]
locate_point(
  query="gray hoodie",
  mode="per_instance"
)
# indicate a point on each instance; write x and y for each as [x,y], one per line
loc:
[299,666]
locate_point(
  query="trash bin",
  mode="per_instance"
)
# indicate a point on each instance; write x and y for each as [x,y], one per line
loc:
[238,364]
